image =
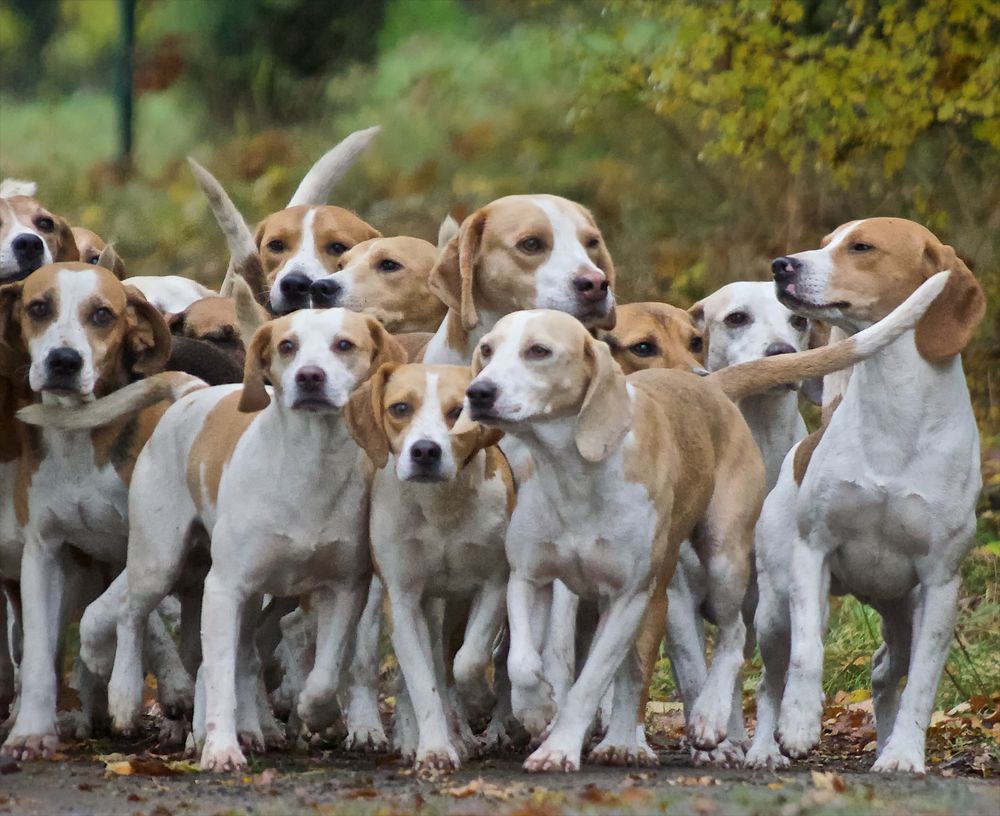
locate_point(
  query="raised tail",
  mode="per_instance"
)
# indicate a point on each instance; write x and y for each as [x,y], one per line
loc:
[134,397]
[762,375]
[316,185]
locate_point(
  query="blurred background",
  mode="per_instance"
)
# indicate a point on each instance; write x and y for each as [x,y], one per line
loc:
[706,136]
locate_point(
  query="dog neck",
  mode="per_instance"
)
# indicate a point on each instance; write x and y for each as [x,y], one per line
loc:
[441,502]
[453,345]
[776,425]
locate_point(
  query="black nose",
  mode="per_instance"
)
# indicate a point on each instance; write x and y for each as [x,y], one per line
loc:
[64,362]
[785,269]
[295,290]
[591,286]
[482,395]
[324,293]
[28,251]
[425,452]
[779,348]
[310,378]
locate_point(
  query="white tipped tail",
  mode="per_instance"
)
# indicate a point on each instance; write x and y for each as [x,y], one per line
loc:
[134,397]
[330,168]
[238,235]
[449,229]
[758,376]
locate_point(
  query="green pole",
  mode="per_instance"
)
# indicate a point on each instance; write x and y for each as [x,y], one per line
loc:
[125,84]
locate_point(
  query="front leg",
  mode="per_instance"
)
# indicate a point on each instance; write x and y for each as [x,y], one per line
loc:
[559,654]
[364,722]
[531,696]
[471,662]
[933,630]
[800,720]
[43,585]
[338,610]
[616,633]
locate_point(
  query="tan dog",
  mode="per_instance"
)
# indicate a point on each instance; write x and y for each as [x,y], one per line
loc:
[655,335]
[30,235]
[624,471]
[388,279]
[214,320]
[85,335]
[881,502]
[440,506]
[90,246]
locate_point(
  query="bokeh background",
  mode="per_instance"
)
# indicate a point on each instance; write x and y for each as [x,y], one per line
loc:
[707,136]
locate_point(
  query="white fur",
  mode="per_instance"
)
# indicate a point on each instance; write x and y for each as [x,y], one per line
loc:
[304,261]
[13,227]
[169,294]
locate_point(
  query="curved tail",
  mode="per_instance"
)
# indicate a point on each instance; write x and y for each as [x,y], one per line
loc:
[758,376]
[330,168]
[134,397]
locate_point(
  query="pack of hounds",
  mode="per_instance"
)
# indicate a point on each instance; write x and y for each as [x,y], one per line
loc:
[473,445]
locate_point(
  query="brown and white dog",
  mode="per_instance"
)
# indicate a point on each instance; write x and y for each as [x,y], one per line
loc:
[388,279]
[90,246]
[84,335]
[211,456]
[880,502]
[30,235]
[624,470]
[655,335]
[439,511]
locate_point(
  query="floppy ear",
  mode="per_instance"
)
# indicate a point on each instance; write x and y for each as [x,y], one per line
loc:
[948,325]
[452,277]
[697,315]
[10,310]
[363,415]
[606,414]
[258,235]
[254,396]
[148,336]
[175,321]
[387,349]
[68,250]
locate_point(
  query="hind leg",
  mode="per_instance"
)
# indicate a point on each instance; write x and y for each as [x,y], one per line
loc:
[364,722]
[775,645]
[889,666]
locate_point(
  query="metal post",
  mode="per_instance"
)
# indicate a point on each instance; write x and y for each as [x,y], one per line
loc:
[124,89]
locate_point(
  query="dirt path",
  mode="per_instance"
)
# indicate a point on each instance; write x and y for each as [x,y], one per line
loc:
[334,783]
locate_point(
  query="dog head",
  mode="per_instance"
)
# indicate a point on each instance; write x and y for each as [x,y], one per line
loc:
[299,244]
[212,319]
[410,411]
[527,252]
[543,365]
[655,335]
[314,359]
[90,245]
[386,278]
[85,332]
[30,235]
[864,269]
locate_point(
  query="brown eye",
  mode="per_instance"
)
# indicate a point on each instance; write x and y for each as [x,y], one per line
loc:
[93,259]
[530,245]
[343,345]
[45,224]
[399,409]
[38,309]
[859,246]
[643,349]
[453,415]
[389,265]
[538,352]
[276,245]
[696,345]
[737,319]
[798,323]
[286,346]
[485,351]
[102,316]
[593,243]
[335,248]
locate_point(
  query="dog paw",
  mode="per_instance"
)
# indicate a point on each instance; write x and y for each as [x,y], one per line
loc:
[124,708]
[706,728]
[766,759]
[906,760]
[623,755]
[30,746]
[546,760]
[725,755]
[274,736]
[318,710]
[435,760]
[798,731]
[367,739]
[173,734]
[218,756]
[251,740]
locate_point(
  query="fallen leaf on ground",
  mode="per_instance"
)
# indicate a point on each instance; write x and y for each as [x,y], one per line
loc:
[828,781]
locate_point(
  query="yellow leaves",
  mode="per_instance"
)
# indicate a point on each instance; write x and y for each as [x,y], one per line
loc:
[488,790]
[828,781]
[122,765]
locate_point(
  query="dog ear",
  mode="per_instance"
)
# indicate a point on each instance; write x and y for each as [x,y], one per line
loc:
[387,348]
[109,259]
[697,315]
[175,321]
[68,250]
[952,318]
[254,396]
[452,278]
[606,414]
[10,320]
[363,415]
[148,336]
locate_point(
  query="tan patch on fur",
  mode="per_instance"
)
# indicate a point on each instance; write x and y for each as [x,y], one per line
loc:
[90,245]
[671,332]
[497,462]
[119,444]
[214,446]
[27,211]
[414,344]
[804,452]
